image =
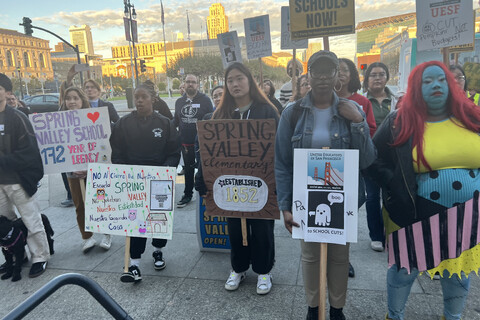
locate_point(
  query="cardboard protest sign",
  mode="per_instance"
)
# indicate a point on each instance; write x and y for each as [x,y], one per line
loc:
[237,160]
[212,232]
[325,195]
[286,41]
[313,19]
[70,140]
[443,24]
[229,48]
[257,37]
[134,201]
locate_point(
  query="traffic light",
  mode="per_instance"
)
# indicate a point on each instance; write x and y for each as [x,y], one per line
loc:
[27,26]
[143,67]
[363,67]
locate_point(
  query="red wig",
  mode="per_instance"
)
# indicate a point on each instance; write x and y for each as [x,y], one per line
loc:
[412,110]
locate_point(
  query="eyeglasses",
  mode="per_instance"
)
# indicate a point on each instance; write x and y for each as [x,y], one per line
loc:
[191,82]
[460,78]
[321,72]
[380,75]
[305,84]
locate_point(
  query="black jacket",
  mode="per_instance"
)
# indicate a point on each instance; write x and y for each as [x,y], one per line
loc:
[187,115]
[257,111]
[393,171]
[162,107]
[24,158]
[151,141]
[112,112]
[276,103]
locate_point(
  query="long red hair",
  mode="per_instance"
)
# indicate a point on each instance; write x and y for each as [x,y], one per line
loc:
[412,110]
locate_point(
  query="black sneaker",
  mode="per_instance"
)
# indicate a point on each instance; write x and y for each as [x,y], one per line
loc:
[158,262]
[312,313]
[181,173]
[133,275]
[3,268]
[336,314]
[351,271]
[184,201]
[37,269]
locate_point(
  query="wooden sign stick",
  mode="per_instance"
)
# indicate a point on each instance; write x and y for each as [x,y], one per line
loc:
[127,254]
[294,73]
[322,287]
[82,188]
[244,231]
[261,72]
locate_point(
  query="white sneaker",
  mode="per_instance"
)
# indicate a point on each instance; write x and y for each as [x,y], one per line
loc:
[376,246]
[234,280]
[264,283]
[88,244]
[106,242]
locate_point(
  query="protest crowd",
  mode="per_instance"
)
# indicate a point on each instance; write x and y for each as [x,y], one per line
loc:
[418,172]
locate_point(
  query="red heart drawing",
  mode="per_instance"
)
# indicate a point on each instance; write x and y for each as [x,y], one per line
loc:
[93,116]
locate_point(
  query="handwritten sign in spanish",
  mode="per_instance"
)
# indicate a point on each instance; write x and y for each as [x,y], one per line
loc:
[286,41]
[325,195]
[70,140]
[237,159]
[313,19]
[229,48]
[443,23]
[135,201]
[257,37]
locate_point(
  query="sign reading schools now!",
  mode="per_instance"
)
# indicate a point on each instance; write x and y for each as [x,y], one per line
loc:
[320,18]
[70,140]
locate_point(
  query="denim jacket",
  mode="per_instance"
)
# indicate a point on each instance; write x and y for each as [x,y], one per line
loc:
[344,135]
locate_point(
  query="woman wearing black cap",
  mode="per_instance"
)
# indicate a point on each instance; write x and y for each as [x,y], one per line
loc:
[320,120]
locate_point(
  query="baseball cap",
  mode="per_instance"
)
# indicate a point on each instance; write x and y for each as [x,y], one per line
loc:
[323,55]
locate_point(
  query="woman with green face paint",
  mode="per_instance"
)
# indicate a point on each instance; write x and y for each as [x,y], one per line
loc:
[428,168]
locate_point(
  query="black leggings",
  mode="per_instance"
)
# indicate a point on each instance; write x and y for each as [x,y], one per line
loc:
[260,251]
[137,246]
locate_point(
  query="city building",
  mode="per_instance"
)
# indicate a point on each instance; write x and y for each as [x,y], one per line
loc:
[217,21]
[82,37]
[27,54]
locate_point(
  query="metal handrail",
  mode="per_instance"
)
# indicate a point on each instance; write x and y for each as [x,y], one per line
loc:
[53,285]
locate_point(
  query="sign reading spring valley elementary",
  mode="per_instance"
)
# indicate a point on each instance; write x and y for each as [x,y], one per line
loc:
[321,18]
[70,140]
[128,200]
[237,158]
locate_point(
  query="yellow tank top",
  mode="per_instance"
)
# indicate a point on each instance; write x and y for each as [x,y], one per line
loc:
[447,146]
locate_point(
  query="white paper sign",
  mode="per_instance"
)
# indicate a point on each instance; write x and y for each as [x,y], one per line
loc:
[325,195]
[257,37]
[240,193]
[129,200]
[70,140]
[443,23]
[286,41]
[229,48]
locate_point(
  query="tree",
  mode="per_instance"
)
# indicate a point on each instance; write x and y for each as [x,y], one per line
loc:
[175,84]
[162,86]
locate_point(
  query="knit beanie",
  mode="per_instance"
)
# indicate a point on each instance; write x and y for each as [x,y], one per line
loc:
[5,82]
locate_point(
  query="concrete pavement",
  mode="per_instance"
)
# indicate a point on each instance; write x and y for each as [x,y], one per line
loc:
[191,286]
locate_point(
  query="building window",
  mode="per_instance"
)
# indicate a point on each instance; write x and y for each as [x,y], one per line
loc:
[42,61]
[26,61]
[9,59]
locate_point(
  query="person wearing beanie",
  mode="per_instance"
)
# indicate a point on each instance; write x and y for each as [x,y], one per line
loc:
[20,171]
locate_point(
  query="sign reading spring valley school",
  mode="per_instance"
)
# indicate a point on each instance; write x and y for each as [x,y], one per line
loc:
[70,140]
[237,159]
[129,200]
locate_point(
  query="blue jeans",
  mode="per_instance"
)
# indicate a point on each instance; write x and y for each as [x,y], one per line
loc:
[399,283]
[374,211]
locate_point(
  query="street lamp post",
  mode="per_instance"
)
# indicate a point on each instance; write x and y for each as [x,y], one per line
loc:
[20,79]
[131,15]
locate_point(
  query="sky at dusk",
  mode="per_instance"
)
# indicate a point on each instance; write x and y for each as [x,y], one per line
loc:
[105,17]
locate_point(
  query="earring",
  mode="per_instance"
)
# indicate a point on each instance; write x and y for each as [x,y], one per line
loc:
[341,85]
